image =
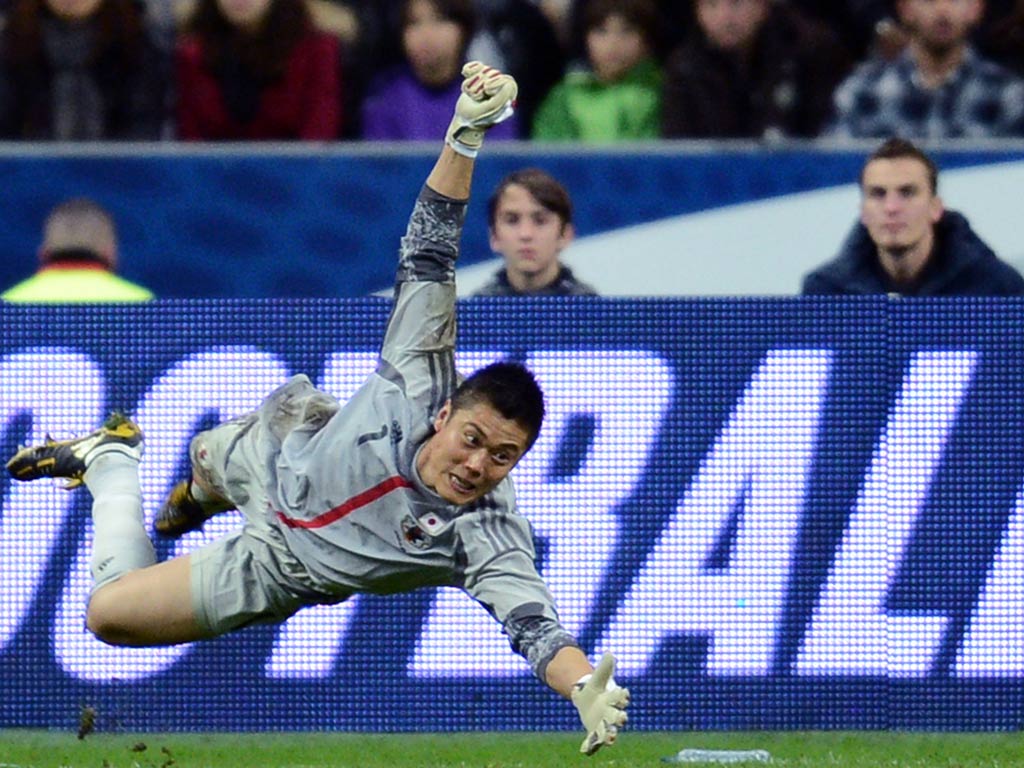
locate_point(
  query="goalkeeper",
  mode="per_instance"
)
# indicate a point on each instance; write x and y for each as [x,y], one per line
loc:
[404,486]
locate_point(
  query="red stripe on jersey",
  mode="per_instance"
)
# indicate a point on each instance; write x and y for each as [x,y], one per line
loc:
[357,501]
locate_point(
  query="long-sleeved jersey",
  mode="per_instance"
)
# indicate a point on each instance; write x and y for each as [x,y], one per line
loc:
[343,484]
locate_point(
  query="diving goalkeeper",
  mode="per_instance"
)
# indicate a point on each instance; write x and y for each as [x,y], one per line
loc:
[404,486]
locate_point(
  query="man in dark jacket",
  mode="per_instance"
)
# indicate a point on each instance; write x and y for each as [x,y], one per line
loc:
[906,243]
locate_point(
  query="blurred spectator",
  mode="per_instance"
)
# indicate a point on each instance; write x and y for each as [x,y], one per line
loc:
[338,17]
[530,224]
[516,37]
[938,88]
[751,68]
[77,260]
[864,26]
[557,12]
[80,70]
[412,100]
[674,20]
[869,27]
[257,70]
[616,94]
[906,243]
[1003,38]
[369,48]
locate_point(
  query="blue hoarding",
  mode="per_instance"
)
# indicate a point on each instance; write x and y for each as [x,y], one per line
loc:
[785,513]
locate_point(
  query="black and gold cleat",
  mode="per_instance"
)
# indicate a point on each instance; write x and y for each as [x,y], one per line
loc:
[181,513]
[70,458]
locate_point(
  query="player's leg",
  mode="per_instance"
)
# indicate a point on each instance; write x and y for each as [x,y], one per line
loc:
[194,501]
[133,601]
[233,582]
[227,460]
[146,607]
[107,461]
[247,577]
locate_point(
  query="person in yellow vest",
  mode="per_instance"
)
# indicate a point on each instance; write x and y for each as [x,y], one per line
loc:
[77,260]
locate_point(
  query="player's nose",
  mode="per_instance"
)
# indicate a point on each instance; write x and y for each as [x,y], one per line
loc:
[475,461]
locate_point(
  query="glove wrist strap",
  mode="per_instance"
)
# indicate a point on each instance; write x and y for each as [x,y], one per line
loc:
[462,149]
[580,684]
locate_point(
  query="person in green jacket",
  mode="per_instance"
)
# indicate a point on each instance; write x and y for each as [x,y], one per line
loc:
[77,260]
[616,94]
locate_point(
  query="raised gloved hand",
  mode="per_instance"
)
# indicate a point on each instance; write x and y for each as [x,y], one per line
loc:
[488,97]
[601,704]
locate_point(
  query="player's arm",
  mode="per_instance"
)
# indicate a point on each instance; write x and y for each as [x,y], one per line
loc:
[488,98]
[600,701]
[565,670]
[431,243]
[420,339]
[500,573]
[452,174]
[561,663]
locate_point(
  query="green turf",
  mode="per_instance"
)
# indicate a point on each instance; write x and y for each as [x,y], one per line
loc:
[43,749]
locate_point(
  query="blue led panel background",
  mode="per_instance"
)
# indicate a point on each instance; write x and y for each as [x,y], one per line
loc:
[779,513]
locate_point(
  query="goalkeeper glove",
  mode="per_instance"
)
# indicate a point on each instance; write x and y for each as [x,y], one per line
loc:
[601,704]
[488,97]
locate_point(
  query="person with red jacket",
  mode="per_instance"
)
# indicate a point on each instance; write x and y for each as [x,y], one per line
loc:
[257,70]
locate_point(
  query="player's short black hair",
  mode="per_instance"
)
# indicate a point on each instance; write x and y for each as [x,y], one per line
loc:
[897,148]
[511,389]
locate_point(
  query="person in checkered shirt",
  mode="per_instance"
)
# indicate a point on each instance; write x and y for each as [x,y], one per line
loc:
[939,88]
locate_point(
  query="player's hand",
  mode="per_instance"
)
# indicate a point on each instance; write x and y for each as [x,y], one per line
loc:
[601,704]
[488,97]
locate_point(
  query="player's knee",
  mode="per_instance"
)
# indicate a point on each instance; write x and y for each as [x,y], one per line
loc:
[105,618]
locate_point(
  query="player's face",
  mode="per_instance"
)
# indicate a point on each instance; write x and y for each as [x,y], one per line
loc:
[614,47]
[245,14]
[898,206]
[529,236]
[940,24]
[731,24]
[472,450]
[432,43]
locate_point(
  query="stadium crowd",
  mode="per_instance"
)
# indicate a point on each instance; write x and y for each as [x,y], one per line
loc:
[589,70]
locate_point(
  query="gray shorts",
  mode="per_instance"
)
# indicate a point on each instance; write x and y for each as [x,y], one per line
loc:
[243,579]
[249,576]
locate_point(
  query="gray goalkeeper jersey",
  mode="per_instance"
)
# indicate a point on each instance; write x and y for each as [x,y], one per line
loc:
[343,486]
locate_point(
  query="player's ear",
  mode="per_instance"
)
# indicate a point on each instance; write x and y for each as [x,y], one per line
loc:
[443,414]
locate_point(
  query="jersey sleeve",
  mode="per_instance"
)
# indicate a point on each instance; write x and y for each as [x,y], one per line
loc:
[419,344]
[499,572]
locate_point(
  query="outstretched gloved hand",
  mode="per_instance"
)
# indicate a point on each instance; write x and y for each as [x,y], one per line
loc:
[488,97]
[601,704]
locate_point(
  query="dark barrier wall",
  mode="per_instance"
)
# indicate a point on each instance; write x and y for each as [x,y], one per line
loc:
[790,513]
[310,223]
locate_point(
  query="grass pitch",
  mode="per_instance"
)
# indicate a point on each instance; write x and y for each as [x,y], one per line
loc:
[54,749]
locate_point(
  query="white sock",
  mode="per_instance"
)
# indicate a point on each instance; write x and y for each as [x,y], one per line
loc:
[120,542]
